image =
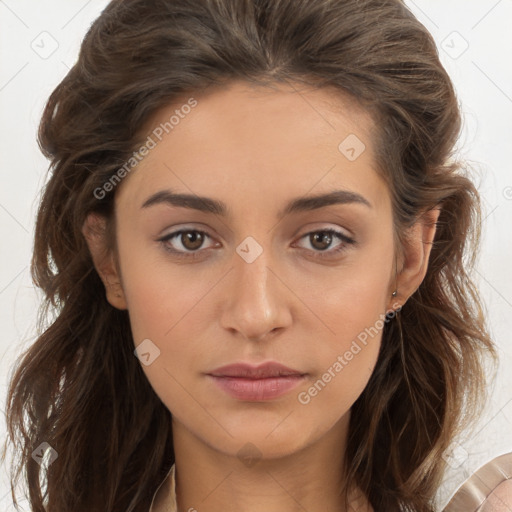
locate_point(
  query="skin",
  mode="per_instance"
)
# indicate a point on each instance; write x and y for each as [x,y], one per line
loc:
[255,149]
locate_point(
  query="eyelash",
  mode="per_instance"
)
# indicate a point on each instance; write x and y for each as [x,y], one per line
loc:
[197,254]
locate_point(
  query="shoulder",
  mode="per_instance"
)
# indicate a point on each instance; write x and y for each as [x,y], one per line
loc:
[500,498]
[489,489]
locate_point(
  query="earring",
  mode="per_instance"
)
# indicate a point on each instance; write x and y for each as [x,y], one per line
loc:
[394,294]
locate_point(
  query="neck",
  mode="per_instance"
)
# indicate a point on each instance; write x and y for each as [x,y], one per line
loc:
[309,479]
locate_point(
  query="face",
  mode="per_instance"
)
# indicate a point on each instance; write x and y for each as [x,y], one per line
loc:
[248,279]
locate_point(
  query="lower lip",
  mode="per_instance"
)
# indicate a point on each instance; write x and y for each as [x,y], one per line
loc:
[257,389]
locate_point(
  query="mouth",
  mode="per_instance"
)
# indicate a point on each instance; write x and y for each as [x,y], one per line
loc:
[246,382]
[248,371]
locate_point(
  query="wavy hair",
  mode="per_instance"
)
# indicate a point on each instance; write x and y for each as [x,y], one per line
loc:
[80,388]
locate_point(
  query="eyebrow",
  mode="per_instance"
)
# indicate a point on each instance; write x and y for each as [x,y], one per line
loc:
[209,205]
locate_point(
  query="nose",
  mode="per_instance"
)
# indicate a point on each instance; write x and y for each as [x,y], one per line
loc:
[259,300]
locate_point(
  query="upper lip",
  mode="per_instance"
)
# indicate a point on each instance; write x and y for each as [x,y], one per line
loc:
[249,371]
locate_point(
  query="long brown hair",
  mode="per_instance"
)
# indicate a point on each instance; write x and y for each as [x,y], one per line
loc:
[80,388]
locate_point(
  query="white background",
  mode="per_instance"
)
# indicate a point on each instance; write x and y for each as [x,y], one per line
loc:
[482,74]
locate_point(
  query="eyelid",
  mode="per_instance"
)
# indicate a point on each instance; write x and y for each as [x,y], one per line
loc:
[345,240]
[179,231]
[322,229]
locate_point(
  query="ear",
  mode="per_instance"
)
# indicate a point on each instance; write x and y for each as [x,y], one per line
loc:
[415,255]
[95,234]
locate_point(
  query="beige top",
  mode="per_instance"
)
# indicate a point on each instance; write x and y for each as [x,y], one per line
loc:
[167,489]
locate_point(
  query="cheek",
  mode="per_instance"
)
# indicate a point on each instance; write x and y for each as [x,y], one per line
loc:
[353,310]
[170,309]
[166,309]
[161,296]
[355,296]
[344,361]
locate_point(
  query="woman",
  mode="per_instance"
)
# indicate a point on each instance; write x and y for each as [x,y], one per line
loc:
[256,199]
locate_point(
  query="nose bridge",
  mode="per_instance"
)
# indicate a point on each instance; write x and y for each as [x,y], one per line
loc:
[253,275]
[256,305]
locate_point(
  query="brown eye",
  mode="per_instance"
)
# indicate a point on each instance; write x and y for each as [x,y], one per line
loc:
[192,240]
[186,242]
[321,240]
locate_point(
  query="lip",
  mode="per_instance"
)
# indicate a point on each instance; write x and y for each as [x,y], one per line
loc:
[267,381]
[249,371]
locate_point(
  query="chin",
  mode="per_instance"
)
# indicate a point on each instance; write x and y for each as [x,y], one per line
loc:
[268,439]
[250,449]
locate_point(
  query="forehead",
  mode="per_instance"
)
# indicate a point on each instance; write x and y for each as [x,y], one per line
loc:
[255,141]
